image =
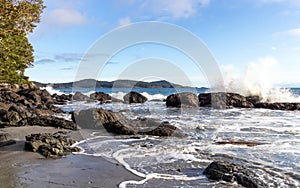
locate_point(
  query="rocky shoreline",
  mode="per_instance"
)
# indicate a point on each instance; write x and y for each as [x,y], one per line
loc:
[28,105]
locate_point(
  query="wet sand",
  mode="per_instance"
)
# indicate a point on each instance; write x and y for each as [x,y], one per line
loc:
[19,168]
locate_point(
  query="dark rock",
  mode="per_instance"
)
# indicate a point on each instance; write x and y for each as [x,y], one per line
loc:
[182,100]
[223,100]
[249,144]
[80,97]
[134,97]
[227,100]
[164,129]
[279,106]
[230,172]
[50,145]
[53,122]
[61,99]
[100,96]
[253,99]
[3,112]
[117,123]
[99,118]
[45,96]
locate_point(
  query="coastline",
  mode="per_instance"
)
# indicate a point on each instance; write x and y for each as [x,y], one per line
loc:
[20,168]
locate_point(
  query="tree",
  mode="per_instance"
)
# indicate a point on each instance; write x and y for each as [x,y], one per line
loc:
[17,19]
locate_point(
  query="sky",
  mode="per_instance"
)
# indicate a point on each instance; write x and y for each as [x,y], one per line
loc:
[250,40]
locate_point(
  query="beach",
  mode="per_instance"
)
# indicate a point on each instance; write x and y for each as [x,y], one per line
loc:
[20,168]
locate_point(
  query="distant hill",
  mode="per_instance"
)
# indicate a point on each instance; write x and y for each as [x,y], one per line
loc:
[91,83]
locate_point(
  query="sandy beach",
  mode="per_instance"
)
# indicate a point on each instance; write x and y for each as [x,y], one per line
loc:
[20,168]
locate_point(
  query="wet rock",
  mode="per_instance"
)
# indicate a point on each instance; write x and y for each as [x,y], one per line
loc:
[164,129]
[100,96]
[99,118]
[61,99]
[117,123]
[80,97]
[182,100]
[230,172]
[253,99]
[249,144]
[279,106]
[134,97]
[50,145]
[223,100]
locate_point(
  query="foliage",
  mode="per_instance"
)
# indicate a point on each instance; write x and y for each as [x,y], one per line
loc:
[17,19]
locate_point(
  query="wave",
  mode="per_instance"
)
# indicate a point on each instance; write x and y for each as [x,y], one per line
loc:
[120,95]
[52,91]
[258,80]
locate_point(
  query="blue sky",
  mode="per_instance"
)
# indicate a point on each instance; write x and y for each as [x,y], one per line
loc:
[260,38]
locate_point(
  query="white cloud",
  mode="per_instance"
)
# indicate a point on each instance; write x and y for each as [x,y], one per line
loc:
[273,48]
[292,32]
[125,21]
[65,17]
[175,9]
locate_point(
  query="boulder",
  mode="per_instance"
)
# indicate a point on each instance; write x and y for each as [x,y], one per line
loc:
[134,97]
[29,106]
[238,101]
[100,118]
[100,96]
[164,129]
[230,172]
[224,100]
[117,123]
[182,100]
[61,99]
[278,106]
[78,96]
[50,145]
[52,122]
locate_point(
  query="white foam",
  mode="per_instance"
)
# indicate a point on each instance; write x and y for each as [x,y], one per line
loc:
[120,95]
[258,80]
[52,91]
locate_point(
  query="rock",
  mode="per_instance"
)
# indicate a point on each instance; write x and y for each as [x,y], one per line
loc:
[249,144]
[99,118]
[61,99]
[3,112]
[164,129]
[134,97]
[53,122]
[100,96]
[227,100]
[230,172]
[279,106]
[80,97]
[238,101]
[223,100]
[117,123]
[22,105]
[45,96]
[253,99]
[182,100]
[50,145]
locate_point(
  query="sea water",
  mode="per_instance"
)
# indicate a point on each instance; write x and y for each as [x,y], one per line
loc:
[180,160]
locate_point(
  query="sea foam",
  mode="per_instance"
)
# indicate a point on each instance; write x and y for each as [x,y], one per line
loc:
[258,80]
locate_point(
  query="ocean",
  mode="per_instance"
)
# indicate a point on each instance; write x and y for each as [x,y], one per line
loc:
[179,161]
